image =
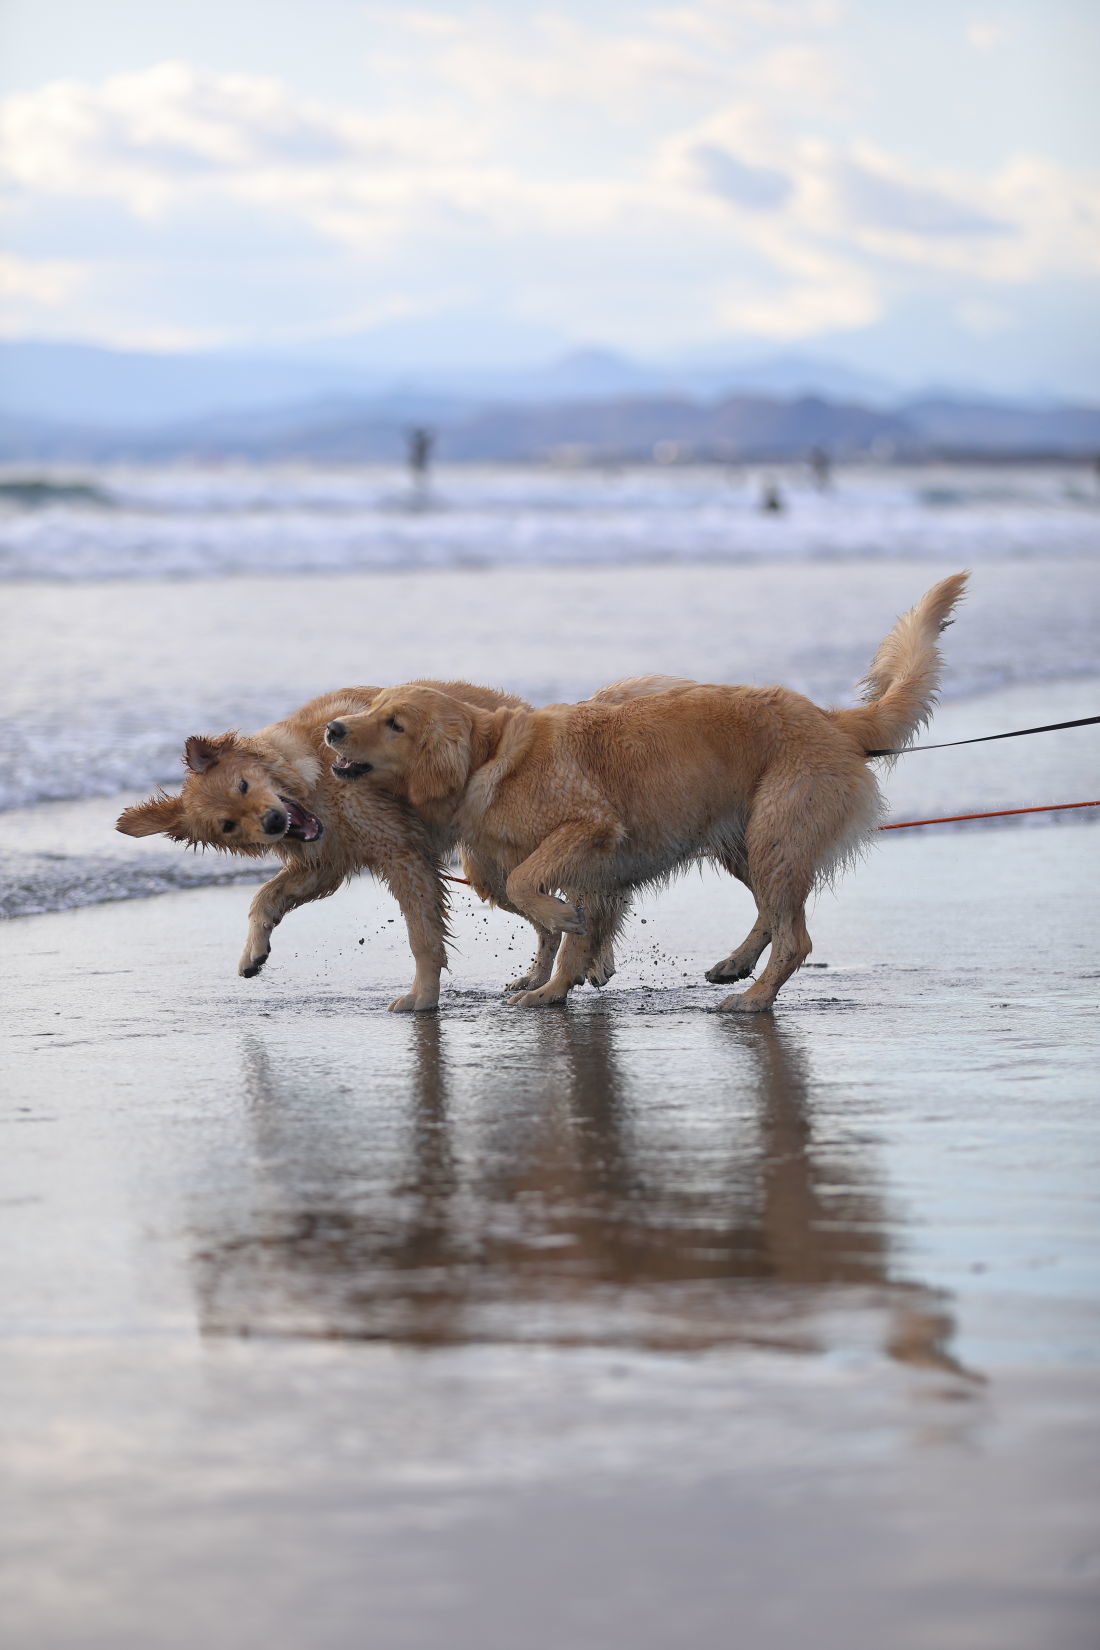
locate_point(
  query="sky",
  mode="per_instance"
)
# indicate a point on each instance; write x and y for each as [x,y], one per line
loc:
[913,189]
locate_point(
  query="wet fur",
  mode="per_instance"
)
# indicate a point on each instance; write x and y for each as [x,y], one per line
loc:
[364,830]
[597,799]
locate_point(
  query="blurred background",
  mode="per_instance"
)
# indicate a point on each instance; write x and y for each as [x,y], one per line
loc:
[725,230]
[696,338]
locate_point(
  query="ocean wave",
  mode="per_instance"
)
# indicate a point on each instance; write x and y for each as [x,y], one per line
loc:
[193,523]
[32,884]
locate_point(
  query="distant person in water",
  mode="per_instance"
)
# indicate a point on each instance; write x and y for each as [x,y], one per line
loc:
[420,443]
[821,468]
[771,499]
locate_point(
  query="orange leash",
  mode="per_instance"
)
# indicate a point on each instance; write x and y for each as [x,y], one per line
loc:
[947,819]
[999,813]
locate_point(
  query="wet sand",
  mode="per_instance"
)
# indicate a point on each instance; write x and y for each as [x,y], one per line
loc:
[624,1325]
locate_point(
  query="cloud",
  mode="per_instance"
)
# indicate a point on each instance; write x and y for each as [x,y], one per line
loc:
[39,281]
[757,187]
[670,172]
[986,319]
[151,137]
[882,201]
[986,36]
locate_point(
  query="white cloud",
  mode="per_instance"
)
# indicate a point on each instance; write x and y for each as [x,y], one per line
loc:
[986,319]
[876,197]
[760,187]
[986,36]
[152,138]
[38,281]
[692,167]
[837,299]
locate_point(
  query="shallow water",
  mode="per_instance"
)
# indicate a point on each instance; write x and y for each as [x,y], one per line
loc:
[602,1327]
[105,679]
[621,1326]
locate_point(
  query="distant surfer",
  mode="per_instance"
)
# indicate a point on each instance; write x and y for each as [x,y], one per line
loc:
[771,499]
[420,442]
[821,468]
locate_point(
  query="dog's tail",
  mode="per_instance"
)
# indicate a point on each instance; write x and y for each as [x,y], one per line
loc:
[900,688]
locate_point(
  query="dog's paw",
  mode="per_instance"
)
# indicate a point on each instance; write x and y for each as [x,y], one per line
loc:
[545,997]
[415,1002]
[600,970]
[526,982]
[743,1002]
[251,963]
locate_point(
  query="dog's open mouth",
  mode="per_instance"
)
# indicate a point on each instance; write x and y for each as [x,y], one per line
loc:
[304,826]
[344,768]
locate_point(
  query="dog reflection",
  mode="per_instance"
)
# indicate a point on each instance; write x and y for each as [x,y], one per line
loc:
[560,1198]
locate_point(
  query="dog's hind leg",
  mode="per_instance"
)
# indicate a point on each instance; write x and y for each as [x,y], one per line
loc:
[783,846]
[294,886]
[801,823]
[744,958]
[785,921]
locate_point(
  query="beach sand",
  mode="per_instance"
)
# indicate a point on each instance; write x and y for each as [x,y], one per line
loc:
[620,1325]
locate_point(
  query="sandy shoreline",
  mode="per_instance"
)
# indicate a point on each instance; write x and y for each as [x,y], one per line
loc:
[570,1328]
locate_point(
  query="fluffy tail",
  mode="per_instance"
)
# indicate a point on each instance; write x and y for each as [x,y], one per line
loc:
[899,690]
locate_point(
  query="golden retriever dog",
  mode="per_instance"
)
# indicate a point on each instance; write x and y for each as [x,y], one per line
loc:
[273,792]
[597,799]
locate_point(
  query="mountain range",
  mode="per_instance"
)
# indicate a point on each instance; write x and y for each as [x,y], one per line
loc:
[73,402]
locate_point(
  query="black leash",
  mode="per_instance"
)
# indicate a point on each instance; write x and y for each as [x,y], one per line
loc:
[1017,733]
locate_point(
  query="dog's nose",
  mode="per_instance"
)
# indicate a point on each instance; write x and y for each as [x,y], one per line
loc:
[274,822]
[335,732]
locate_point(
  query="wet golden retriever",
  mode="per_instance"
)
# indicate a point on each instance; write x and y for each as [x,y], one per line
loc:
[273,792]
[597,799]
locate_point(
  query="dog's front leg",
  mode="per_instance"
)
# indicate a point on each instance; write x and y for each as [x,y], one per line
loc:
[542,964]
[574,963]
[605,916]
[559,862]
[487,884]
[294,886]
[417,887]
[563,859]
[589,956]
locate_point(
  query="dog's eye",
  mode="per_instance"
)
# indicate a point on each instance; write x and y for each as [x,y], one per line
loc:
[392,722]
[243,786]
[229,824]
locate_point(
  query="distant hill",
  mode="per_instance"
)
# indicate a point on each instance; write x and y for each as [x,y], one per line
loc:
[83,384]
[635,428]
[75,403]
[75,383]
[641,428]
[985,426]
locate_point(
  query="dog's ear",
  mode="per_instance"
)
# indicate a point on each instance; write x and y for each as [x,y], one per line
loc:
[442,763]
[202,751]
[159,814]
